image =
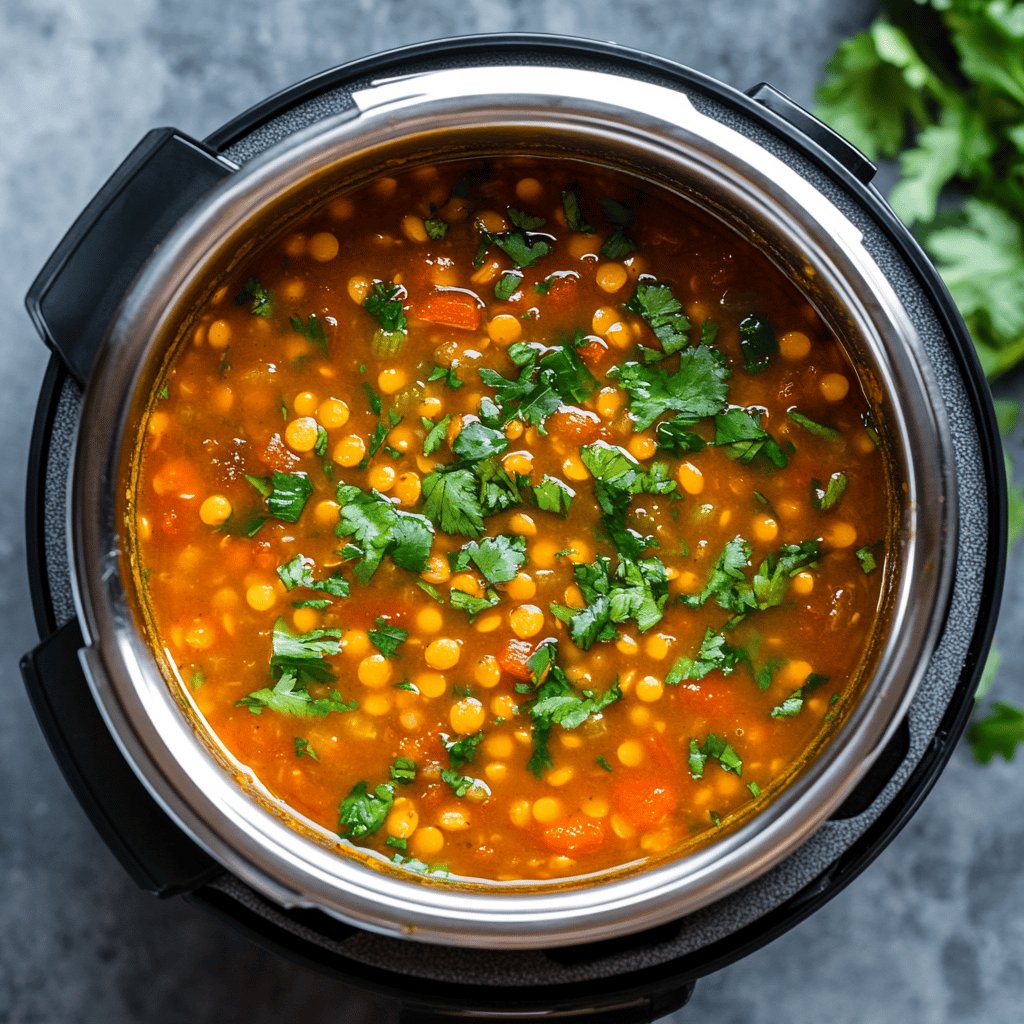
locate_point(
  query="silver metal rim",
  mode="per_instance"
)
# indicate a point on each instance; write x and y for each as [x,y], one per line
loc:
[603,112]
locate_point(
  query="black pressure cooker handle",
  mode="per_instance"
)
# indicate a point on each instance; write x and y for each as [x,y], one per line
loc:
[75,295]
[160,858]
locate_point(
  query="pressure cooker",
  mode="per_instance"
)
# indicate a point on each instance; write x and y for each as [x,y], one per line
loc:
[630,951]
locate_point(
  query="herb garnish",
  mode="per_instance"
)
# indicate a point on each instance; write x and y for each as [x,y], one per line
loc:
[716,748]
[379,528]
[386,637]
[256,296]
[363,812]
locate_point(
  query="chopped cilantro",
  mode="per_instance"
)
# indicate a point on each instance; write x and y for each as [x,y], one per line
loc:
[435,227]
[553,495]
[379,528]
[298,572]
[603,762]
[462,750]
[794,703]
[715,654]
[450,378]
[743,438]
[866,557]
[663,313]
[696,389]
[257,297]
[476,441]
[303,748]
[556,702]
[303,654]
[757,343]
[461,784]
[827,497]
[286,494]
[436,433]
[618,245]
[507,285]
[387,638]
[521,246]
[450,501]
[498,558]
[311,329]
[288,697]
[817,429]
[999,732]
[363,812]
[636,590]
[471,604]
[573,215]
[384,304]
[716,748]
[403,771]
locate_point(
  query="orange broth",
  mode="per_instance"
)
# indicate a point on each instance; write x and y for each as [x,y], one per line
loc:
[516,520]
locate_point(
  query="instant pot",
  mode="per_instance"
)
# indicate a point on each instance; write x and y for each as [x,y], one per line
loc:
[630,950]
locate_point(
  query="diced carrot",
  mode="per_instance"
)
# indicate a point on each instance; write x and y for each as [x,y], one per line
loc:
[644,799]
[513,658]
[574,426]
[578,836]
[451,309]
[277,455]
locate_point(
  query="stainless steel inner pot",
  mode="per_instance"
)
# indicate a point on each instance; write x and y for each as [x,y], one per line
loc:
[642,129]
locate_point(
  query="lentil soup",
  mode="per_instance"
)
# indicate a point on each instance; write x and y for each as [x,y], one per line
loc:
[513,520]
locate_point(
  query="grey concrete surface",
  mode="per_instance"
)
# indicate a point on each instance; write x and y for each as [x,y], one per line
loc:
[931,933]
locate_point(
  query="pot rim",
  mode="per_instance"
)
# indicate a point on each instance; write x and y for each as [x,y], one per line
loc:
[145,718]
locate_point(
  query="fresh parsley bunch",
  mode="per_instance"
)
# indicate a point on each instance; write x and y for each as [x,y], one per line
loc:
[939,85]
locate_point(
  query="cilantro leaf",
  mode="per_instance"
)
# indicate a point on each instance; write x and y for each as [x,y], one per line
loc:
[471,604]
[573,215]
[866,558]
[379,528]
[475,442]
[435,227]
[436,433]
[663,313]
[450,501]
[794,703]
[403,771]
[817,429]
[298,572]
[288,697]
[696,389]
[744,439]
[757,343]
[553,495]
[727,581]
[498,558]
[448,375]
[462,750]
[257,297]
[384,304]
[999,732]
[716,748]
[311,329]
[303,748]
[715,654]
[386,637]
[302,654]
[288,495]
[363,812]
[827,497]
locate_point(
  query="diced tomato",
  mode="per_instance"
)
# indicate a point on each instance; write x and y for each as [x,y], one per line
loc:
[562,292]
[451,309]
[644,799]
[513,658]
[277,455]
[574,426]
[578,836]
[592,352]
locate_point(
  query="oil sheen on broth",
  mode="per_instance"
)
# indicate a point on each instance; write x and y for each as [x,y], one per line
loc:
[514,520]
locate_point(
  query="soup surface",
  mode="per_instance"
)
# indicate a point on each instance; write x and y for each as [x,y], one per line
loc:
[513,520]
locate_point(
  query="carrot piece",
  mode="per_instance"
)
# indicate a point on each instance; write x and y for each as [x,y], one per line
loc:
[277,455]
[576,837]
[513,658]
[575,426]
[644,799]
[451,309]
